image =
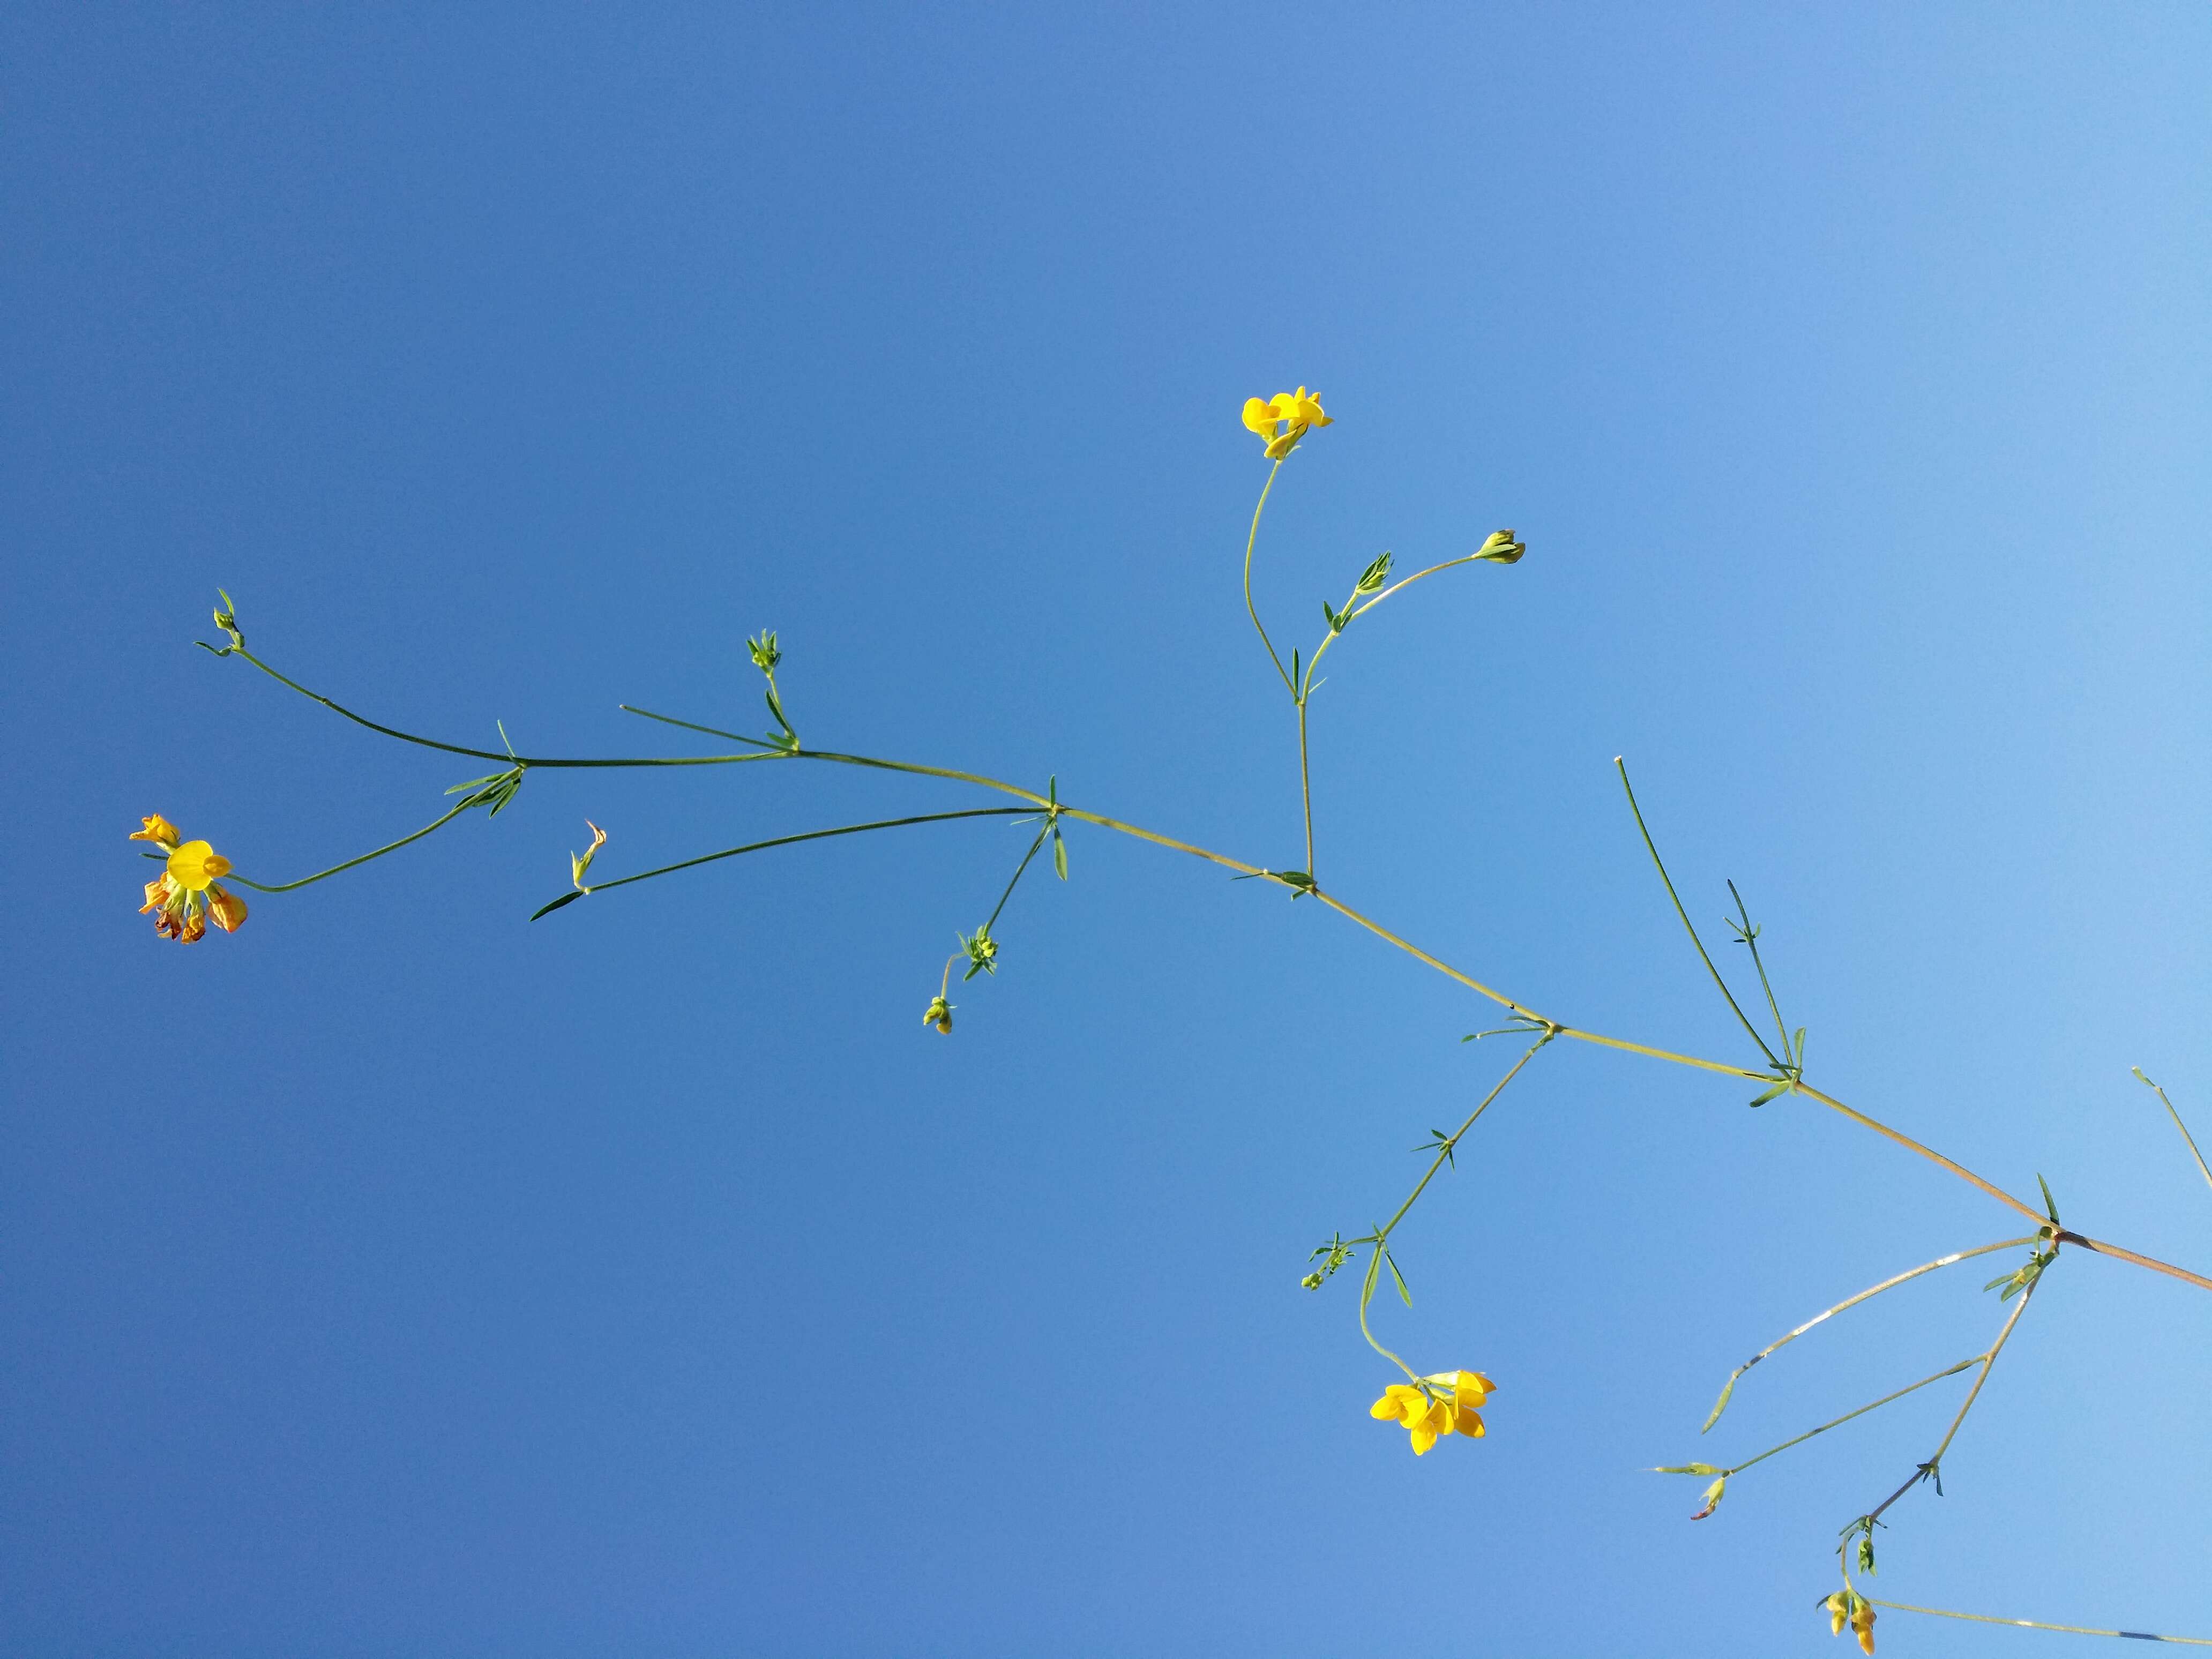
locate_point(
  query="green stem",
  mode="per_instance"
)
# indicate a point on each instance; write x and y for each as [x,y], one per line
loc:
[1224,861]
[1951,1370]
[1661,863]
[1936,1461]
[1751,943]
[1366,1294]
[783,841]
[290,886]
[712,731]
[483,754]
[2179,1124]
[1252,610]
[1018,869]
[1306,780]
[1384,1232]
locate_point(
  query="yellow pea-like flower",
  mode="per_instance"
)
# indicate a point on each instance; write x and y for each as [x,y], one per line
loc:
[1445,1405]
[1849,1607]
[184,898]
[1282,420]
[195,865]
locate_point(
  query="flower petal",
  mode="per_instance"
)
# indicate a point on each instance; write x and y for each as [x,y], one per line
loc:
[226,910]
[1259,415]
[195,864]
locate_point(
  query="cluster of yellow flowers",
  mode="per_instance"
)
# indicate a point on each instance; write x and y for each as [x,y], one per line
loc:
[1440,1404]
[1282,419]
[1847,1607]
[185,896]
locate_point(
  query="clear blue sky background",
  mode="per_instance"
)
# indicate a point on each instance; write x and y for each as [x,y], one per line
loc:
[399,1276]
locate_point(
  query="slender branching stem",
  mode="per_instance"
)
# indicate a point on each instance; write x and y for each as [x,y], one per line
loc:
[319,875]
[2101,1247]
[2179,1124]
[1250,610]
[1867,1295]
[1751,943]
[1222,859]
[1366,1295]
[1445,1152]
[2034,1624]
[785,841]
[1690,926]
[1305,785]
[1018,869]
[1933,1467]
[509,757]
[1872,1405]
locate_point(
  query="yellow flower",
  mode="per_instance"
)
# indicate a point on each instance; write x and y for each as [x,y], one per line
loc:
[195,864]
[184,897]
[1849,1607]
[1282,419]
[939,1014]
[1444,1404]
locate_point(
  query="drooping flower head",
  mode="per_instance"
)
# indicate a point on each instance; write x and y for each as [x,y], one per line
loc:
[1444,1404]
[186,896]
[1284,418]
[1847,1607]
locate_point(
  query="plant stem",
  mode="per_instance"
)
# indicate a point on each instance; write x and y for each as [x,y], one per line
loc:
[1949,1370]
[1305,782]
[1661,863]
[1224,861]
[1018,868]
[291,886]
[1936,1459]
[1250,610]
[1868,1295]
[1384,1232]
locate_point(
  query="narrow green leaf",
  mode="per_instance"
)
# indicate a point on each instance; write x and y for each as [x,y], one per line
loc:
[1721,1404]
[565,899]
[1406,1295]
[1058,855]
[1367,1289]
[1688,1468]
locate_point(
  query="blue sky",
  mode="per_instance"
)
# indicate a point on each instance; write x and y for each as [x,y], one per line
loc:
[399,1275]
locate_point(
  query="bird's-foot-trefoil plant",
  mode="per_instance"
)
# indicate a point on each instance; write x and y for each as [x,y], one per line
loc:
[1430,1406]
